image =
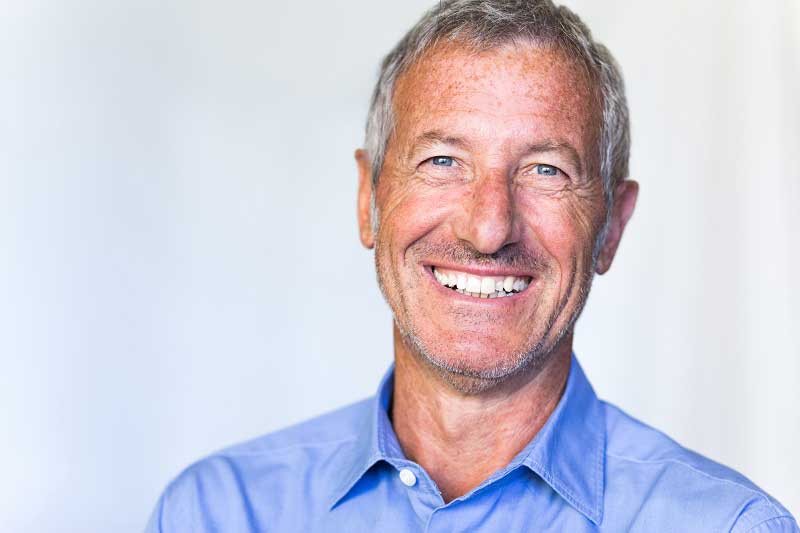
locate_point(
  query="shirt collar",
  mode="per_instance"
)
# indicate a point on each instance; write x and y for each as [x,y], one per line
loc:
[568,453]
[375,442]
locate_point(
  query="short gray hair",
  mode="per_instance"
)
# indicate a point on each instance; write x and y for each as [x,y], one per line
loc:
[486,24]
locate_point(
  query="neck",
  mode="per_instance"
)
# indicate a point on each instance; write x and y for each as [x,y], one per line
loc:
[461,439]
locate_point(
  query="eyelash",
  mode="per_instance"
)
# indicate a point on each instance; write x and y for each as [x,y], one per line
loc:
[554,168]
[433,159]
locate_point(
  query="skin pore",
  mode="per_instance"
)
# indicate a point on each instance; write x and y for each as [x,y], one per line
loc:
[491,171]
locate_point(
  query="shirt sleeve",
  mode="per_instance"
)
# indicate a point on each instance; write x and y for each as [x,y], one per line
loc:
[176,510]
[154,524]
[202,498]
[764,515]
[779,524]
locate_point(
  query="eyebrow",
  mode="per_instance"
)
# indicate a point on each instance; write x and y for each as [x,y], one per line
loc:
[429,138]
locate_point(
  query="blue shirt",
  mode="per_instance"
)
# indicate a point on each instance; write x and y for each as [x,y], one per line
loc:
[590,468]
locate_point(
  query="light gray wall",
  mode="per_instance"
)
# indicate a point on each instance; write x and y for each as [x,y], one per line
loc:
[180,266]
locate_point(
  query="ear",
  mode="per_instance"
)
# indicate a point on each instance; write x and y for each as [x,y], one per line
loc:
[624,201]
[365,199]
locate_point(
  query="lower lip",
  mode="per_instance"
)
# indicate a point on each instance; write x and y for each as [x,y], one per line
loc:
[483,301]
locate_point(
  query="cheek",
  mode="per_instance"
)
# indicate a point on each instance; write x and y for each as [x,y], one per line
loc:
[412,211]
[563,227]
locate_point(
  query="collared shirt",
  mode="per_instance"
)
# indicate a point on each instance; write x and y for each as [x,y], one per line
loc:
[590,468]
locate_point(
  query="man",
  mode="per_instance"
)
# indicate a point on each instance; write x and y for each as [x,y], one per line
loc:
[493,185]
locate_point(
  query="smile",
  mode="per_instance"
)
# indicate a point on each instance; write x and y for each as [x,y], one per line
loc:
[481,286]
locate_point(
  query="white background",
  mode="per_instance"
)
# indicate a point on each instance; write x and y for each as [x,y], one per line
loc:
[180,267]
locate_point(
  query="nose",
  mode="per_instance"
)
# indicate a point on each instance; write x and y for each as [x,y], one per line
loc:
[490,222]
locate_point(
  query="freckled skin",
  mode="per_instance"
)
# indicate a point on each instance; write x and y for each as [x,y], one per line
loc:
[475,382]
[500,101]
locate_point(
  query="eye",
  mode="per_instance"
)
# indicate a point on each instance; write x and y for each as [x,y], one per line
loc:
[442,161]
[546,170]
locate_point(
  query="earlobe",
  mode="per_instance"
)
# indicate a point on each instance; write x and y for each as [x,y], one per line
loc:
[624,202]
[365,199]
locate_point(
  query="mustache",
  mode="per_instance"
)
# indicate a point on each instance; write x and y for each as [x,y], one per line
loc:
[513,256]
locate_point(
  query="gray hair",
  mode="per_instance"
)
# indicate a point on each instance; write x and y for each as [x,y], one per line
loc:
[486,24]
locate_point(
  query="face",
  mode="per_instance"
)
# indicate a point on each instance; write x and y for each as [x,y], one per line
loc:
[489,207]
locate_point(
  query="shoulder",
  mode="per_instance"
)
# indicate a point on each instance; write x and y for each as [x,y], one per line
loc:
[674,478]
[278,467]
[323,431]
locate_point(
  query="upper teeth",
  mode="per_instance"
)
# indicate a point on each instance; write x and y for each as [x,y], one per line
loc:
[481,286]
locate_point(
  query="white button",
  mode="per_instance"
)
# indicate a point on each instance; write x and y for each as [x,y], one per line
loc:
[407,477]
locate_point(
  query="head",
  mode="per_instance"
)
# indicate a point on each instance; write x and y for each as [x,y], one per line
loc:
[493,183]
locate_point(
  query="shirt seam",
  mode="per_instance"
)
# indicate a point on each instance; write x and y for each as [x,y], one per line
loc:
[760,494]
[599,474]
[781,517]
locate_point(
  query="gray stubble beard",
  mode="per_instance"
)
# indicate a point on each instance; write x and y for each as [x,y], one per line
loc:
[471,381]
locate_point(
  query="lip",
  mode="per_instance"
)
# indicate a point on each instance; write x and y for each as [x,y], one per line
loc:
[506,300]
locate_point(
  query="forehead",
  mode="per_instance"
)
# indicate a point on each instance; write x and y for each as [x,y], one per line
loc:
[513,92]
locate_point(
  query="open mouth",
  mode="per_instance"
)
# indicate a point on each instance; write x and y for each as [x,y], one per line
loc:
[481,286]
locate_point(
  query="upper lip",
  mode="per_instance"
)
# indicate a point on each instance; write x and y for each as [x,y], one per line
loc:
[480,270]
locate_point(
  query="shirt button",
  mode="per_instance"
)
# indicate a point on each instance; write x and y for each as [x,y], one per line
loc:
[407,477]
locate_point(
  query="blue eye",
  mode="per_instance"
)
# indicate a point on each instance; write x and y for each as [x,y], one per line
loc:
[442,161]
[546,170]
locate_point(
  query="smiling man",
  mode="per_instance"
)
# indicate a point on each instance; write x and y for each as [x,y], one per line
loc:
[493,186]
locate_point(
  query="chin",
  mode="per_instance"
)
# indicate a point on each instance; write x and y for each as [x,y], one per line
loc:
[475,367]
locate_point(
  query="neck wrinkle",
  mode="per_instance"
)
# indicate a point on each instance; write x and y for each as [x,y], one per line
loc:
[460,440]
